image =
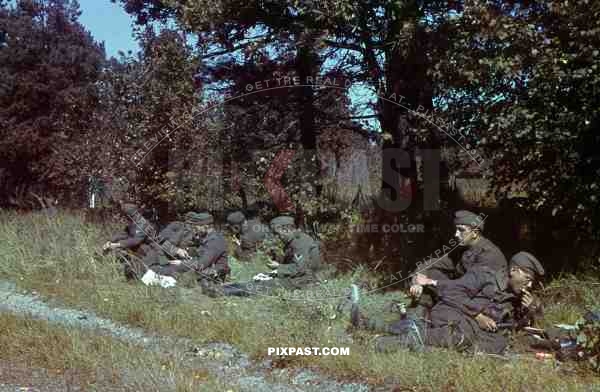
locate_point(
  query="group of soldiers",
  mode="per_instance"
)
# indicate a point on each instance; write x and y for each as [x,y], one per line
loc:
[461,304]
[456,304]
[195,246]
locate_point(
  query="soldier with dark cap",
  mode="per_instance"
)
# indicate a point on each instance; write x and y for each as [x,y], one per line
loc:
[479,253]
[296,269]
[251,233]
[133,242]
[131,237]
[172,242]
[468,311]
[199,248]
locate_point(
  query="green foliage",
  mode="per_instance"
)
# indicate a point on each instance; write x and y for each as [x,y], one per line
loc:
[49,65]
[526,92]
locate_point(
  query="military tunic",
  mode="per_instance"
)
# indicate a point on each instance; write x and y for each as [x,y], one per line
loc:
[482,255]
[452,320]
[209,258]
[298,268]
[253,233]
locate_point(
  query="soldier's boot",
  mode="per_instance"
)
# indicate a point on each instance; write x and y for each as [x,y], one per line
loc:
[214,290]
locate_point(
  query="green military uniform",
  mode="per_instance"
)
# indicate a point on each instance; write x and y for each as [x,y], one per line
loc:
[134,240]
[252,234]
[452,319]
[481,255]
[208,255]
[297,268]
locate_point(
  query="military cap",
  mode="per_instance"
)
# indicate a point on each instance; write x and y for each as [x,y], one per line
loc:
[129,208]
[198,218]
[468,218]
[236,218]
[282,221]
[528,262]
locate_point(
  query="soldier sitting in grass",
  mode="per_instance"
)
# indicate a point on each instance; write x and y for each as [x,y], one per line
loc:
[133,240]
[201,250]
[251,234]
[295,270]
[192,246]
[479,253]
[468,311]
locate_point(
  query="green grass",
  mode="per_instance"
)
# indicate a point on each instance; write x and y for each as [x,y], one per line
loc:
[95,362]
[58,258]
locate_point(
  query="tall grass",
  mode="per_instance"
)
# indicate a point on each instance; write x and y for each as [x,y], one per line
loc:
[94,362]
[58,258]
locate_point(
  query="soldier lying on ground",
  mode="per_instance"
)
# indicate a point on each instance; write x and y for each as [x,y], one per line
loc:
[295,270]
[251,234]
[480,252]
[468,310]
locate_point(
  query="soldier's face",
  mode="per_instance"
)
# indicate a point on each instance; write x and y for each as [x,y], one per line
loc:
[201,230]
[284,232]
[520,280]
[464,234]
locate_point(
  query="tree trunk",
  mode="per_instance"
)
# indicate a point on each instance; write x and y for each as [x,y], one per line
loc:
[307,67]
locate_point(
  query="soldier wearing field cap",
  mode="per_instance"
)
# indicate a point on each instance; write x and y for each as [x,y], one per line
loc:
[203,250]
[479,253]
[527,270]
[251,233]
[174,241]
[468,311]
[207,251]
[297,268]
[133,243]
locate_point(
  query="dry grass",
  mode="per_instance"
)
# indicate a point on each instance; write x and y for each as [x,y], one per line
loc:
[42,255]
[93,362]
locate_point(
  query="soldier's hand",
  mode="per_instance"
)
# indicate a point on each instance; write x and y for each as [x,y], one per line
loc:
[527,299]
[182,253]
[485,322]
[175,262]
[416,290]
[422,280]
[272,264]
[106,246]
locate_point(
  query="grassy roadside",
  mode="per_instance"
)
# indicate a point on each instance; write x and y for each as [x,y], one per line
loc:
[58,259]
[93,362]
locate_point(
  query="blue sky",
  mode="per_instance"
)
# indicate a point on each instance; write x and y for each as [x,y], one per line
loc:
[108,22]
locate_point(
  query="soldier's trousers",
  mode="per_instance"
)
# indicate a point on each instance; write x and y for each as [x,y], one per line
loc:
[246,289]
[216,272]
[414,334]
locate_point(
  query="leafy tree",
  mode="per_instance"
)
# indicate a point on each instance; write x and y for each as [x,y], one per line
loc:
[48,65]
[527,89]
[150,107]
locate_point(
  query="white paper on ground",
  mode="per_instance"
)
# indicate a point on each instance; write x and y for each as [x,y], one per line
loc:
[151,278]
[262,276]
